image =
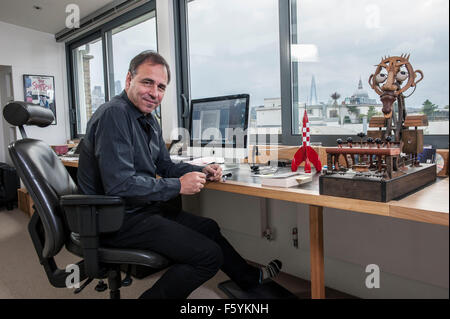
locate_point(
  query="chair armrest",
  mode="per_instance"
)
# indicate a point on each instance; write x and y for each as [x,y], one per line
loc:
[80,199]
[89,216]
[93,214]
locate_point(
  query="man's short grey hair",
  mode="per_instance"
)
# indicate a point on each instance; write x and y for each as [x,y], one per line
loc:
[148,55]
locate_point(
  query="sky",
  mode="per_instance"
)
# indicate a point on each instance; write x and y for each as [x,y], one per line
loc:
[352,36]
[126,44]
[234,46]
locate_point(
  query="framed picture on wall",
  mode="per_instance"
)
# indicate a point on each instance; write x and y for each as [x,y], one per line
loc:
[40,90]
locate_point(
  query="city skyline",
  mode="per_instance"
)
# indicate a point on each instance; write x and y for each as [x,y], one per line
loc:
[243,57]
[373,97]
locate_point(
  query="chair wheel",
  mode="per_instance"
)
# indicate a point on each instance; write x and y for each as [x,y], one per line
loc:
[101,286]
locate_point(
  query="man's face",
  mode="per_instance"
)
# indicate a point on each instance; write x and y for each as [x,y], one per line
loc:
[147,87]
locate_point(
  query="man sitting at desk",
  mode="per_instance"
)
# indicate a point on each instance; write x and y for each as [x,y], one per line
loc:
[122,152]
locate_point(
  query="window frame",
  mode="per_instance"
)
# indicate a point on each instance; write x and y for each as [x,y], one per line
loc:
[102,32]
[287,136]
[182,62]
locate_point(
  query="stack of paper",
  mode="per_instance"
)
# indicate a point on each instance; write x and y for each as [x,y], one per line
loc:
[286,179]
[304,178]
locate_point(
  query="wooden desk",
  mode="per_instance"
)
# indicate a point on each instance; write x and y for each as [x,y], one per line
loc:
[429,205]
[69,163]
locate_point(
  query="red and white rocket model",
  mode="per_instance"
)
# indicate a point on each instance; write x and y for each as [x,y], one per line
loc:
[306,152]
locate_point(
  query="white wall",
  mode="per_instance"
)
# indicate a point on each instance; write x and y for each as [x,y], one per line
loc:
[2,127]
[7,130]
[33,52]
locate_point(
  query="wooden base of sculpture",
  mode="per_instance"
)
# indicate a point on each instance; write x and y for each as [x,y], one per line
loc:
[373,188]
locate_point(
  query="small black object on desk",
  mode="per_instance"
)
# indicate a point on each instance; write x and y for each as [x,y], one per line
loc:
[226,176]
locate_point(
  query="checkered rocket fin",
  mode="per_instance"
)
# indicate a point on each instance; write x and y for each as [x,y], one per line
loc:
[306,152]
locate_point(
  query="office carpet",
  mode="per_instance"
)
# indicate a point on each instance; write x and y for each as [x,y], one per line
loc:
[21,275]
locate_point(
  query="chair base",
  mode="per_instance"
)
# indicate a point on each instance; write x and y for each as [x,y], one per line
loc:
[268,290]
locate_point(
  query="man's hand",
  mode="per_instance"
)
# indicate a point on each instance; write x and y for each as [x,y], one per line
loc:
[192,183]
[213,172]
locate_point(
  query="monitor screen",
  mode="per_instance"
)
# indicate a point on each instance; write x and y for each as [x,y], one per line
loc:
[220,121]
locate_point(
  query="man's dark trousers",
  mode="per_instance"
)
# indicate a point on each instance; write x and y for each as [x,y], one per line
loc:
[193,243]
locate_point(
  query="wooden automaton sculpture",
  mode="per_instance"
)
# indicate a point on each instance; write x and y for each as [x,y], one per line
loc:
[384,166]
[393,77]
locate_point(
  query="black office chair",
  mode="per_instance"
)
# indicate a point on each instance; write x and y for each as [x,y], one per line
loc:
[63,217]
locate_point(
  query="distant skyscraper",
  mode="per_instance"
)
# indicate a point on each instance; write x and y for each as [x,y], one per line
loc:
[98,97]
[360,87]
[118,87]
[97,91]
[312,99]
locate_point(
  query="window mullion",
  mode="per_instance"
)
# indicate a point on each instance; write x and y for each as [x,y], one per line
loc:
[182,54]
[285,73]
[106,51]
[109,65]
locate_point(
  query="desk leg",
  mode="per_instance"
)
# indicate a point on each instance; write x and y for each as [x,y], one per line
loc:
[316,252]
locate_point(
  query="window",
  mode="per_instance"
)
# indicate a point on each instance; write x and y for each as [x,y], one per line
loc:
[99,61]
[335,45]
[233,49]
[128,40]
[89,81]
[291,55]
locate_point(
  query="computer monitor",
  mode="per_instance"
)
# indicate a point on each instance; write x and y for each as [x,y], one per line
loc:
[218,127]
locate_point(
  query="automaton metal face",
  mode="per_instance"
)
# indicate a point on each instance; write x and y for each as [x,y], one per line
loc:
[393,76]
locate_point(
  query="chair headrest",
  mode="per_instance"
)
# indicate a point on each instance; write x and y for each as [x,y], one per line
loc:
[21,113]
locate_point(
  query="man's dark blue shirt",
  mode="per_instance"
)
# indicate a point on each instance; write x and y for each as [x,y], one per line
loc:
[123,151]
